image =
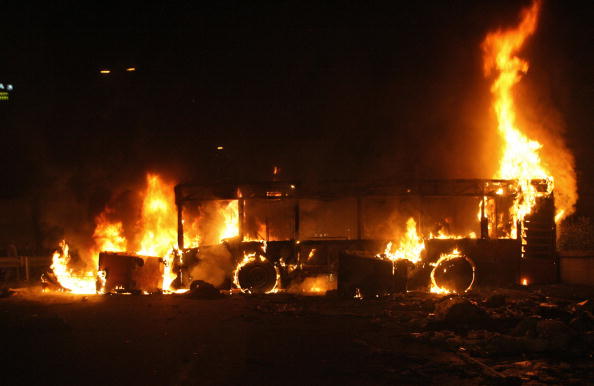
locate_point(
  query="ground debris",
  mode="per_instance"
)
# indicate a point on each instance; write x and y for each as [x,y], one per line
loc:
[496,300]
[282,308]
[557,334]
[526,327]
[552,311]
[521,337]
[202,290]
[460,312]
[498,336]
[582,321]
[586,305]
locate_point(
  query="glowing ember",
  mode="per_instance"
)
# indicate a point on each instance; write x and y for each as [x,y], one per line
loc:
[410,246]
[443,258]
[316,285]
[438,290]
[441,235]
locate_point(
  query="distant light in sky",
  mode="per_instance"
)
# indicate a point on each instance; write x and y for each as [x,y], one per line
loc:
[220,148]
[9,87]
[105,71]
[131,69]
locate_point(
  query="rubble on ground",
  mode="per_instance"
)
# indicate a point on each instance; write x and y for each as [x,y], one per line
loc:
[200,289]
[519,335]
[513,335]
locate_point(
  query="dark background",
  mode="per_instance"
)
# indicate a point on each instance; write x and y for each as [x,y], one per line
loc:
[327,91]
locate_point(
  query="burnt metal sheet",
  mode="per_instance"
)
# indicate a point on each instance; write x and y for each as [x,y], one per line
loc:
[497,261]
[332,189]
[540,270]
[130,273]
[367,275]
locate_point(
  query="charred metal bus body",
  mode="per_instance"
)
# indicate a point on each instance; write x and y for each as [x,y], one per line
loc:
[304,247]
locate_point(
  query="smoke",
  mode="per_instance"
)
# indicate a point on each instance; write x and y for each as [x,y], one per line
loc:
[323,219]
[66,213]
[216,264]
[385,219]
[543,121]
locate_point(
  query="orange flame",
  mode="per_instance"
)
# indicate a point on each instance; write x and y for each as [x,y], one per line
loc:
[521,155]
[250,258]
[191,234]
[315,285]
[158,224]
[230,212]
[109,236]
[216,221]
[156,235]
[157,232]
[70,280]
[410,246]
[455,254]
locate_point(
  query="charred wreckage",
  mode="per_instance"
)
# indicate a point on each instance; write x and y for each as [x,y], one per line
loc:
[285,249]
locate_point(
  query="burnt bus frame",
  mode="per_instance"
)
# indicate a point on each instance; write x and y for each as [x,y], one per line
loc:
[283,190]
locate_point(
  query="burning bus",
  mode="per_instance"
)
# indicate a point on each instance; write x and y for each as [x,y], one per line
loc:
[286,235]
[375,238]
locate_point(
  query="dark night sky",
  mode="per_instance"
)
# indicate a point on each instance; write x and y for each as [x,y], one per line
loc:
[340,90]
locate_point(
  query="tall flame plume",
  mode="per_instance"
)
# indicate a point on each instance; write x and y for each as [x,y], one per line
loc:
[521,157]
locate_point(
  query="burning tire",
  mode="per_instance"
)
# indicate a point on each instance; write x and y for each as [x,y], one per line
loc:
[258,276]
[453,272]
